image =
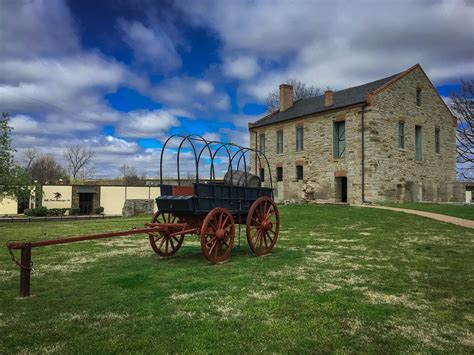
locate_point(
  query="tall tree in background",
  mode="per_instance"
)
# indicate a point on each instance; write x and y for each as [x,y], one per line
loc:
[462,105]
[14,181]
[300,91]
[46,169]
[79,162]
[29,156]
[129,175]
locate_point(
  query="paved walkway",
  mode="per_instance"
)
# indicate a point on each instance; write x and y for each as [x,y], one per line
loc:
[440,217]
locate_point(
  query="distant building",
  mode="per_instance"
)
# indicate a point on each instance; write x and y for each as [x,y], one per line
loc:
[392,139]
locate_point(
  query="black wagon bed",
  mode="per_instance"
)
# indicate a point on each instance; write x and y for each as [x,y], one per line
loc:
[200,198]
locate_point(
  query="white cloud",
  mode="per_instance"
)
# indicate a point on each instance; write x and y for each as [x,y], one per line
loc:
[321,44]
[243,67]
[204,87]
[149,124]
[32,28]
[180,112]
[150,45]
[23,124]
[190,94]
[54,89]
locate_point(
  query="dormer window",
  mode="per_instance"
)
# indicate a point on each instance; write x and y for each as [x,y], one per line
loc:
[418,97]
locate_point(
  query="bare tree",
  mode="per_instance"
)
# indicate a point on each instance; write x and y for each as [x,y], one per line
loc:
[79,161]
[462,105]
[45,168]
[300,91]
[88,172]
[129,175]
[29,156]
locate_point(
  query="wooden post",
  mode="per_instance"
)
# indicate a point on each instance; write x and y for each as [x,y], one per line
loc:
[25,271]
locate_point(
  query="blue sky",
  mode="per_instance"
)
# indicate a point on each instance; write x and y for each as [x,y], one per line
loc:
[118,77]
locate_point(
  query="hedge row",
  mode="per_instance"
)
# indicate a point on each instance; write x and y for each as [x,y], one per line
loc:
[44,211]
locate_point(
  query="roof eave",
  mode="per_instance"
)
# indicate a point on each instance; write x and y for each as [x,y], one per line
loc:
[357,104]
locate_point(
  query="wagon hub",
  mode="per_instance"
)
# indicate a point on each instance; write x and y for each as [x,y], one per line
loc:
[221,234]
[266,226]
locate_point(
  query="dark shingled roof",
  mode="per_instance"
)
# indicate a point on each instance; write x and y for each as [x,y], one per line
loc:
[342,98]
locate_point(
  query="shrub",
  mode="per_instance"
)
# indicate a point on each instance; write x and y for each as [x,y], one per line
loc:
[39,211]
[99,210]
[57,211]
[74,211]
[28,212]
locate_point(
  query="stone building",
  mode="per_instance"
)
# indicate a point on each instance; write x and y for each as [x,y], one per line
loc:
[392,139]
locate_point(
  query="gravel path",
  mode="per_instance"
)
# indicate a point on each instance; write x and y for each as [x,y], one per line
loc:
[440,217]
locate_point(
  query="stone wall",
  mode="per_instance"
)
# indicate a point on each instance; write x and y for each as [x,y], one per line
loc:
[390,173]
[393,173]
[137,207]
[320,167]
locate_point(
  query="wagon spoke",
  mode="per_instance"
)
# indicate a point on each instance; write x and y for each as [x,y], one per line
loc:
[211,241]
[218,248]
[261,240]
[256,221]
[162,241]
[211,224]
[213,246]
[270,212]
[256,232]
[219,224]
[176,239]
[167,242]
[265,240]
[259,237]
[225,221]
[268,236]
[171,242]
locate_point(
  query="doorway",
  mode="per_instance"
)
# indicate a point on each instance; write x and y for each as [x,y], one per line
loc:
[85,202]
[341,189]
[23,204]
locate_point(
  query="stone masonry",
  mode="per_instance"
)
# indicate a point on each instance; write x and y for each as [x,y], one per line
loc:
[137,207]
[390,174]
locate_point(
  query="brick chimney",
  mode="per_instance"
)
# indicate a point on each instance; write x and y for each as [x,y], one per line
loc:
[328,98]
[286,97]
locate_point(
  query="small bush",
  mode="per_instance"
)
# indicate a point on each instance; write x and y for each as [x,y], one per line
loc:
[57,211]
[99,210]
[39,211]
[28,212]
[74,211]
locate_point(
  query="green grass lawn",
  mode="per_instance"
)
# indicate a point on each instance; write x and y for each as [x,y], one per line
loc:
[341,279]
[460,211]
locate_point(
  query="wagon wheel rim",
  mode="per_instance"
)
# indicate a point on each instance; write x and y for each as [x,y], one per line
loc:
[263,226]
[217,235]
[162,243]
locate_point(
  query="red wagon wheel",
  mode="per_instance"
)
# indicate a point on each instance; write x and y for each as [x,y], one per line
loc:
[263,226]
[162,243]
[217,235]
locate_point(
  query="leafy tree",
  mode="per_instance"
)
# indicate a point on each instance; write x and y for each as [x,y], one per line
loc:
[462,105]
[14,181]
[300,91]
